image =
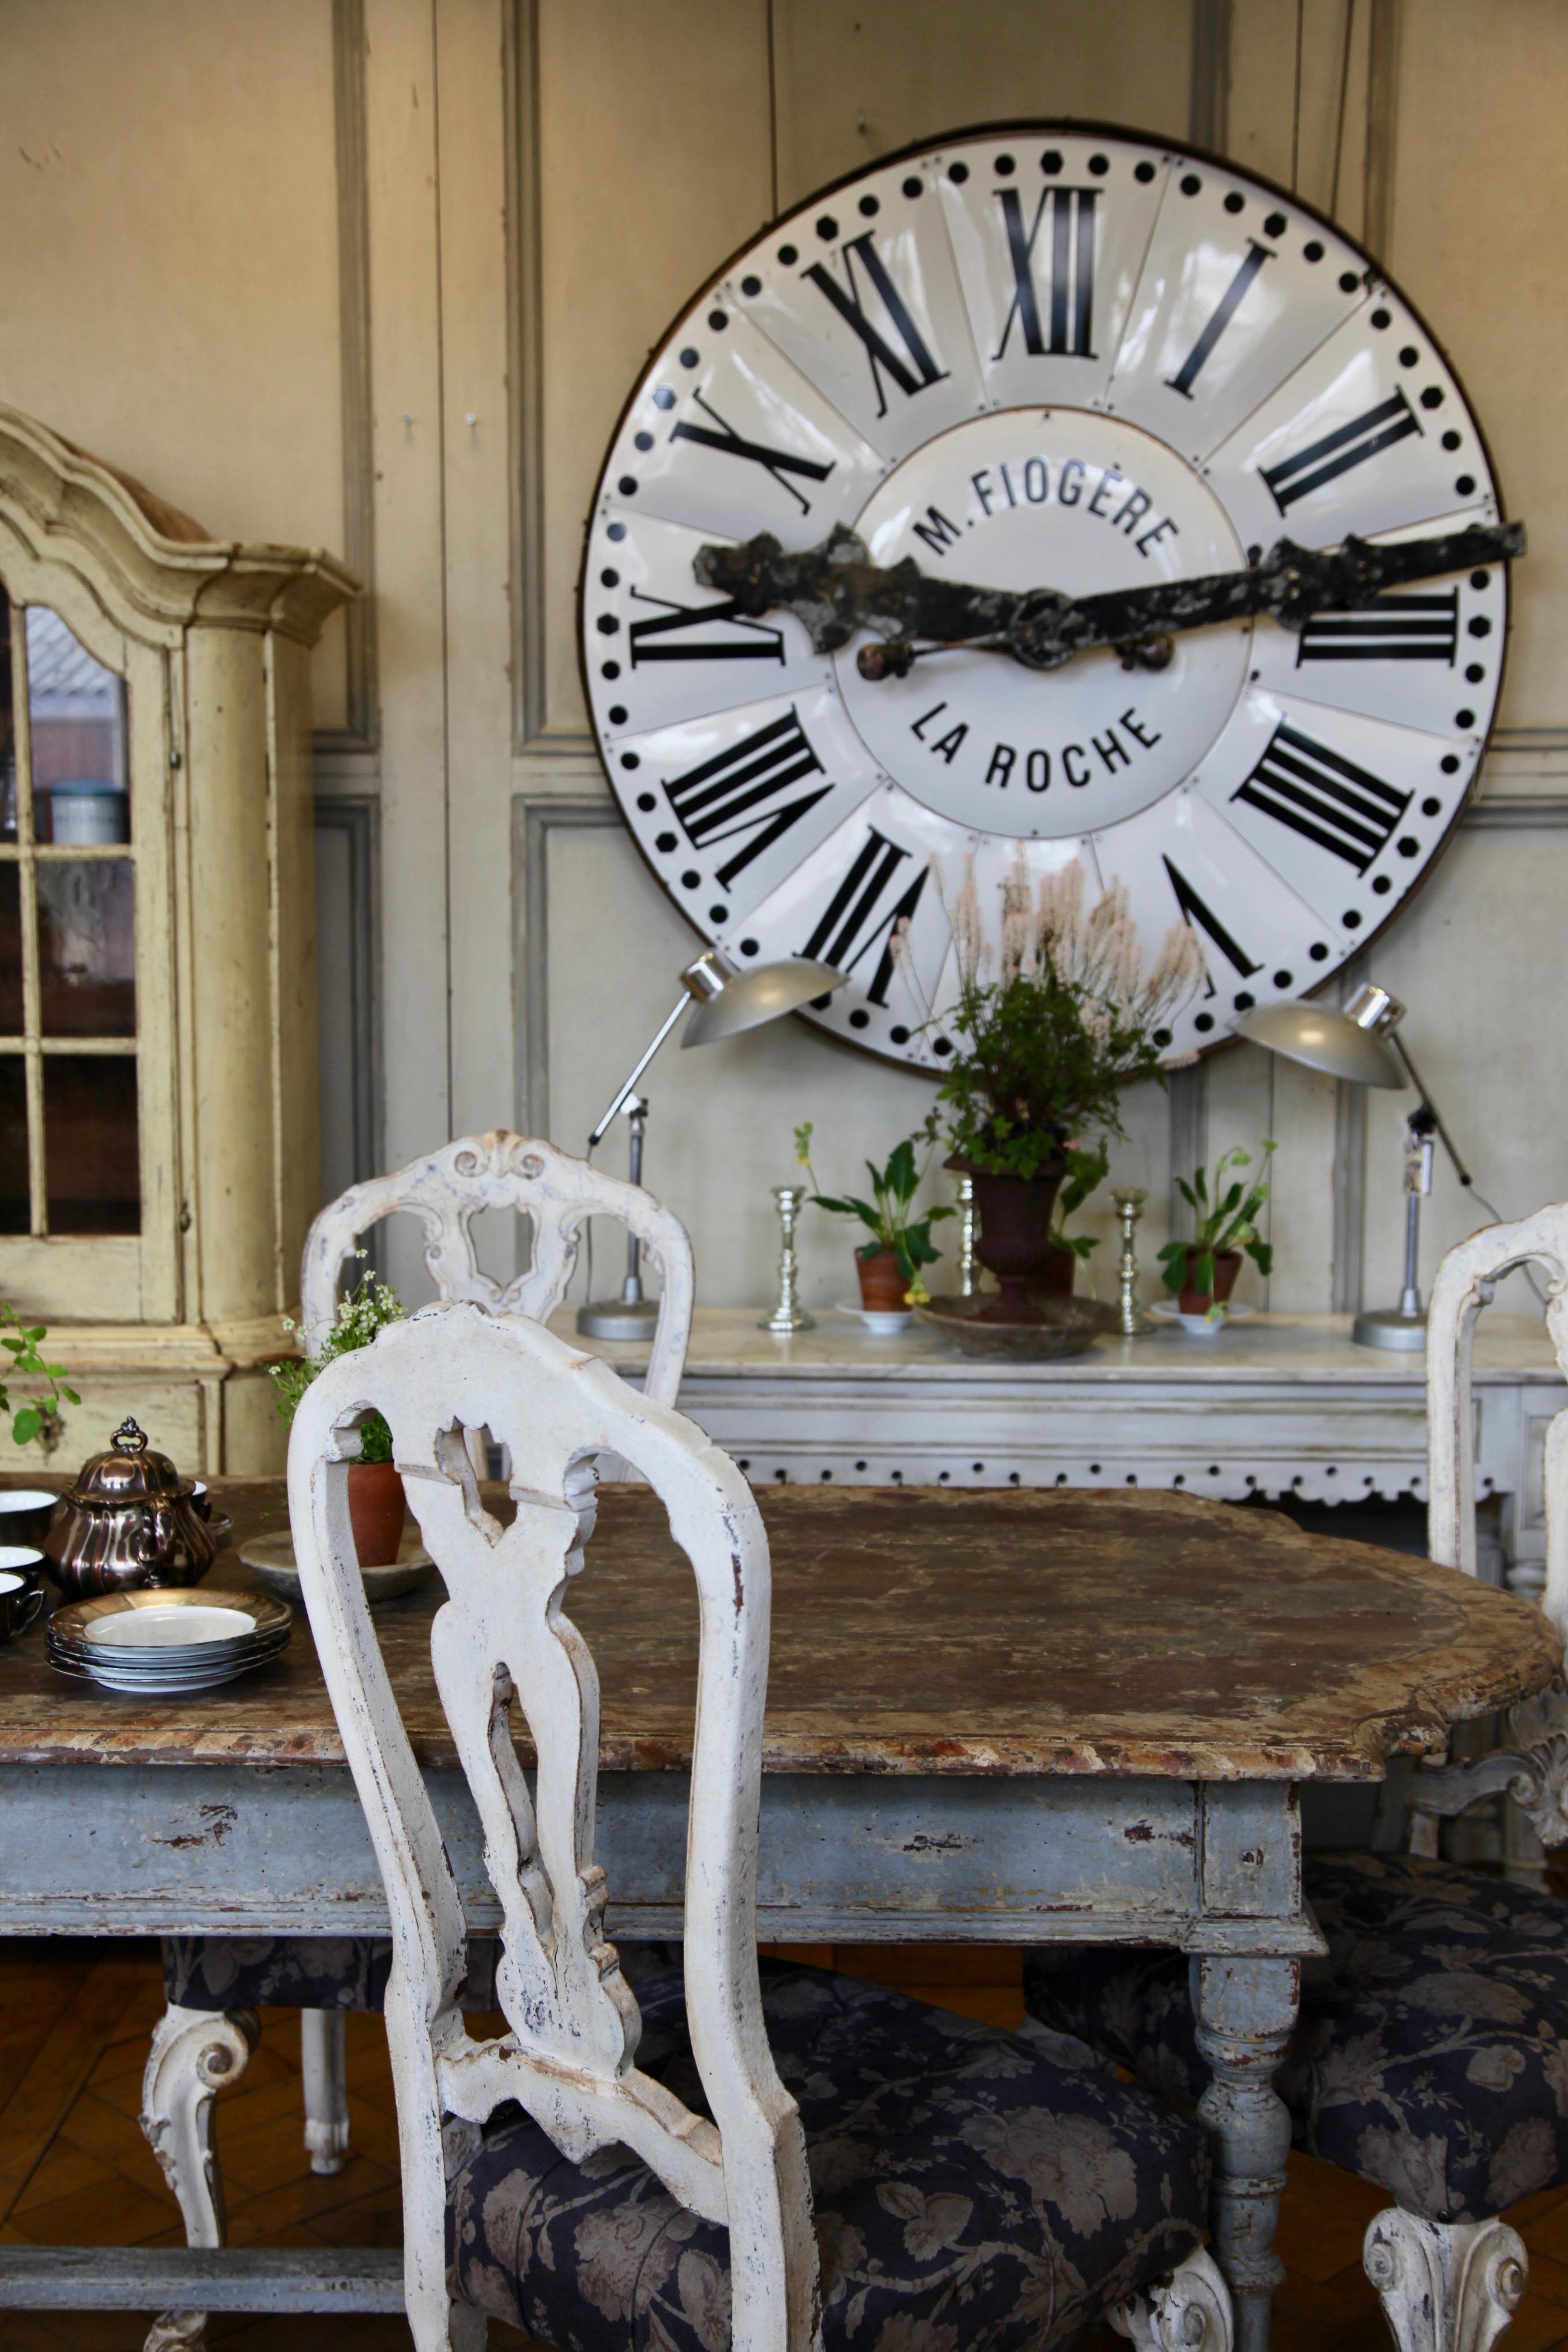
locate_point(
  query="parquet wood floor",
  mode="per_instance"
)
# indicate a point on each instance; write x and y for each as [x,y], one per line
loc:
[74,2168]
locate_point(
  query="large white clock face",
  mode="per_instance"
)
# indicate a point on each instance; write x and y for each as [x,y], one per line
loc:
[1041,358]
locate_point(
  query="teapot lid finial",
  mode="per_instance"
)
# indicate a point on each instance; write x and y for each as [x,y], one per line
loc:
[130,1437]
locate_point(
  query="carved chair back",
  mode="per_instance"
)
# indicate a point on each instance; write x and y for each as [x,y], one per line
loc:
[1465,1284]
[503,1639]
[500,1170]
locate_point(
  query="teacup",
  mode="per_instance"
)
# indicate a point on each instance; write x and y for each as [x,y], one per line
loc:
[201,1501]
[25,1514]
[21,1591]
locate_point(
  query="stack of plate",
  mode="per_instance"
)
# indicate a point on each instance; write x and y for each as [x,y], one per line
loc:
[164,1644]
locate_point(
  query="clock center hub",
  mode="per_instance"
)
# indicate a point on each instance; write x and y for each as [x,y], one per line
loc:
[1068,500]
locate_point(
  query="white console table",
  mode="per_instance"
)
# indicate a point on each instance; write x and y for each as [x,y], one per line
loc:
[1279,1404]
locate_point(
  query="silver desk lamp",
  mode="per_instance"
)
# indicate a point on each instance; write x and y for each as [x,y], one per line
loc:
[722,1000]
[1362,1044]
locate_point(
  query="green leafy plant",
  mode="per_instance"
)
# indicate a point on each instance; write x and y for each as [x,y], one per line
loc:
[1225,1218]
[1086,1170]
[39,1417]
[1070,1015]
[369,1307]
[888,1214]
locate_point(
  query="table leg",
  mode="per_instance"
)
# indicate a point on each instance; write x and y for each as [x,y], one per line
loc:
[1246,2013]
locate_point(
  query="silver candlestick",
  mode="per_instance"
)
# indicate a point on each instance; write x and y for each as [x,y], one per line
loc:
[1131,1321]
[789,1315]
[968,1265]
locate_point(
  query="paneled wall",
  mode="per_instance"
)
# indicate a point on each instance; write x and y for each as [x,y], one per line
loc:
[381,273]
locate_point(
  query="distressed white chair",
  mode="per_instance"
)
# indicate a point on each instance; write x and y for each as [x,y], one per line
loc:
[607,2173]
[1432,2052]
[215,1984]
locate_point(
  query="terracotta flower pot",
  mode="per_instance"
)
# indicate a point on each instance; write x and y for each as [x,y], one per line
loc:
[376,1509]
[882,1287]
[1226,1267]
[1014,1242]
[1060,1276]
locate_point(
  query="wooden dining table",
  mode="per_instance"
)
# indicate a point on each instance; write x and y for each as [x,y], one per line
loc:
[1013,1717]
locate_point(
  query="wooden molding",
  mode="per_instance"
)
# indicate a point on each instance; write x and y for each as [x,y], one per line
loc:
[362,730]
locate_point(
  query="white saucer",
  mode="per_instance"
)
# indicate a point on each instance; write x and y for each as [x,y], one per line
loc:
[885,1322]
[1199,1326]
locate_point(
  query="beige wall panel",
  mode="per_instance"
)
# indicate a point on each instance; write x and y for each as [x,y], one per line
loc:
[1480,227]
[170,270]
[1297,99]
[855,83]
[655,163]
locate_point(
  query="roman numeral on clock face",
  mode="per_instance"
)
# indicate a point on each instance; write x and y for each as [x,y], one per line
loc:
[911,368]
[1324,797]
[1203,918]
[874,896]
[776,462]
[677,632]
[1422,625]
[1225,310]
[1349,445]
[739,793]
[1071,315]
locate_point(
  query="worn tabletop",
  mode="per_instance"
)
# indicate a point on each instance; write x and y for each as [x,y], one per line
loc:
[916,1630]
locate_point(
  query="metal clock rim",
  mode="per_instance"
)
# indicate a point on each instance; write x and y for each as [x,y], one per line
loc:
[1034,126]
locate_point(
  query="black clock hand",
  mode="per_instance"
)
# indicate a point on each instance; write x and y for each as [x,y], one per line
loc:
[835,589]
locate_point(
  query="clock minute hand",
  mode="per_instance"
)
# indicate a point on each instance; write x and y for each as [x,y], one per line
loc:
[835,589]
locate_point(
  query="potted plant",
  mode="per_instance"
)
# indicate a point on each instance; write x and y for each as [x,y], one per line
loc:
[39,1417]
[1049,1029]
[1086,1171]
[888,1264]
[376,1501]
[1202,1272]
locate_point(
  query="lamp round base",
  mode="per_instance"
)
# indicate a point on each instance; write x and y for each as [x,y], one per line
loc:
[618,1318]
[1388,1327]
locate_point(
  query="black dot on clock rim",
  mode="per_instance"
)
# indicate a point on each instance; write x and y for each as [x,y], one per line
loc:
[1235,202]
[1312,252]
[1275,225]
[748,947]
[608,625]
[1480,627]
[1449,763]
[1380,318]
[1474,672]
[609,669]
[827,228]
[643,440]
[609,577]
[1284,980]
[1161,1037]
[750,288]
[717,914]
[627,486]
[913,187]
[958,174]
[1465,719]
[718,320]
[1465,485]
[1318,951]
[788,257]
[1450,439]
[646,802]
[630,761]
[663,397]
[1202,1023]
[1408,846]
[690,879]
[943,1045]
[898,1035]
[1245,1001]
[1349,281]
[1351,919]
[1005,165]
[1409,355]
[1382,885]
[1432,397]
[615,530]
[1051,162]
[688,357]
[1479,580]
[617,714]
[665,844]
[1143,172]
[870,208]
[1190,183]
[1431,805]
[821,1003]
[859,1020]
[1100,165]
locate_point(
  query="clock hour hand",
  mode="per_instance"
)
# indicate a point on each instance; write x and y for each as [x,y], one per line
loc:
[836,589]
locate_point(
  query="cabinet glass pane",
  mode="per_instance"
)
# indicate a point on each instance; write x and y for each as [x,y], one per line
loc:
[15,1207]
[10,951]
[87,948]
[91,1143]
[7,727]
[77,712]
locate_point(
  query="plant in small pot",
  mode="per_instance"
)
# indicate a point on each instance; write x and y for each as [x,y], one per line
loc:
[1202,1272]
[890,1264]
[376,1502]
[1055,1012]
[1086,1169]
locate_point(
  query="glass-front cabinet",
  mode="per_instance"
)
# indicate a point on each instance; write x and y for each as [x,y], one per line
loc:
[158,1146]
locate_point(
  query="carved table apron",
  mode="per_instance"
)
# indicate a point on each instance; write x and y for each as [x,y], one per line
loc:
[1015,1716]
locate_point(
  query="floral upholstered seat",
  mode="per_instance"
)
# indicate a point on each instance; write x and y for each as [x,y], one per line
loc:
[1432,2051]
[972,2192]
[335,1972]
